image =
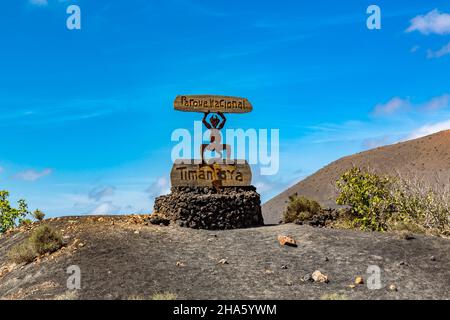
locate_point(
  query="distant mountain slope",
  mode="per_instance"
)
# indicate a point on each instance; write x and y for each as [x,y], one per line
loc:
[427,158]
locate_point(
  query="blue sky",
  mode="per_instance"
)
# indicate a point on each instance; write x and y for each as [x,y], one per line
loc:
[87,115]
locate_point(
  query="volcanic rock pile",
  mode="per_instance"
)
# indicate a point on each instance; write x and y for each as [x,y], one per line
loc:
[208,208]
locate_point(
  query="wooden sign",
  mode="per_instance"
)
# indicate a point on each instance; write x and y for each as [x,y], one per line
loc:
[208,103]
[189,173]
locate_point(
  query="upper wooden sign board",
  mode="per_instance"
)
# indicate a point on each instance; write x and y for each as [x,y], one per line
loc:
[207,103]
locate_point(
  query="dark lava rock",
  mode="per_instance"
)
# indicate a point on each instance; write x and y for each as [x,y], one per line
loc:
[159,220]
[208,208]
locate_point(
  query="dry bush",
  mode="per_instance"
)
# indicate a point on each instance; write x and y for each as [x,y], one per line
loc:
[397,203]
[301,208]
[41,241]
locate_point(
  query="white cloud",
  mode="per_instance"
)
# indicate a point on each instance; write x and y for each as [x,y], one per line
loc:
[99,193]
[436,103]
[397,104]
[429,129]
[105,208]
[39,2]
[433,22]
[33,175]
[415,49]
[392,106]
[159,187]
[439,53]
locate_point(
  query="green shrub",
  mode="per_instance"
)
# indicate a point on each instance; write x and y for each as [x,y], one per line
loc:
[25,222]
[38,215]
[41,241]
[45,240]
[367,194]
[301,208]
[11,217]
[381,203]
[22,253]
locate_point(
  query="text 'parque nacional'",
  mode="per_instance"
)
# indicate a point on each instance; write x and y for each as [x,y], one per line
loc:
[209,103]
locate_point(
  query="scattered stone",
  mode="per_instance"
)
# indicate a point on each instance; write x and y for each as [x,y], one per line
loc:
[318,276]
[326,259]
[402,263]
[268,271]
[136,232]
[101,219]
[157,220]
[352,286]
[307,278]
[223,261]
[179,264]
[284,267]
[81,244]
[393,287]
[298,222]
[433,258]
[405,235]
[359,280]
[287,241]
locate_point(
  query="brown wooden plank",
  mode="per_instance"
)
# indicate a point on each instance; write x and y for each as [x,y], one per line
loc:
[188,173]
[205,103]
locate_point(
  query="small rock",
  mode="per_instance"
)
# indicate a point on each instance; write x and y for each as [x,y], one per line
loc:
[81,244]
[318,276]
[433,258]
[359,280]
[179,264]
[159,221]
[136,232]
[287,241]
[284,267]
[100,219]
[326,259]
[392,287]
[268,271]
[223,261]
[352,286]
[307,278]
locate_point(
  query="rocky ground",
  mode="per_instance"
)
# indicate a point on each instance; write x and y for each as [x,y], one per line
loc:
[122,257]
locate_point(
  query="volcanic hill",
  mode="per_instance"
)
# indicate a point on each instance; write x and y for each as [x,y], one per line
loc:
[426,159]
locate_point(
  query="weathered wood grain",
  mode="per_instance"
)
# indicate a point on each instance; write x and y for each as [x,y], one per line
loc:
[210,103]
[191,173]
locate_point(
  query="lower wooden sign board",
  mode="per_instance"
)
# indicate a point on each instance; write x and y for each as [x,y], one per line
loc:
[192,173]
[209,103]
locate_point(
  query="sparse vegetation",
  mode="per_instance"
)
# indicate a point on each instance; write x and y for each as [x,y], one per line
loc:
[382,203]
[366,194]
[164,296]
[300,208]
[334,296]
[38,215]
[156,296]
[11,217]
[41,241]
